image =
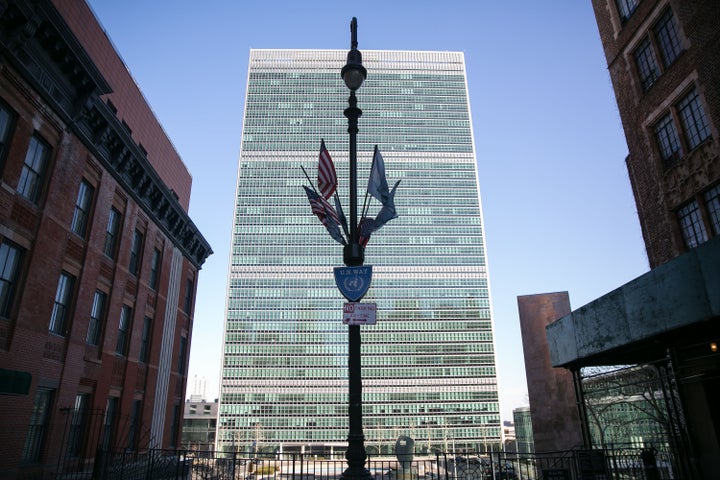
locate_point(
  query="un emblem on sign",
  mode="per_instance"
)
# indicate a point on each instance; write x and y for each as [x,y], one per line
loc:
[353,282]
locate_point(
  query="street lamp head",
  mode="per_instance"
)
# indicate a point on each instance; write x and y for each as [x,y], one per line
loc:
[353,73]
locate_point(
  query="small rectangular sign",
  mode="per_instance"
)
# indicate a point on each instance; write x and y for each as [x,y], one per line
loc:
[355,313]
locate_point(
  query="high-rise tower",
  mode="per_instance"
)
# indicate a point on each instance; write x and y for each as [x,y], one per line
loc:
[429,363]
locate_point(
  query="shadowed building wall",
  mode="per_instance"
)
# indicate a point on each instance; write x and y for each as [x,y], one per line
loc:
[99,259]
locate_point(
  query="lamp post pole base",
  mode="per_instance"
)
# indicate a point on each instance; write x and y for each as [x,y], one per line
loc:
[356,473]
[356,457]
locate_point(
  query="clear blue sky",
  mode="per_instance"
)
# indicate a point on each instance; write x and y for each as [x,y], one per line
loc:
[558,209]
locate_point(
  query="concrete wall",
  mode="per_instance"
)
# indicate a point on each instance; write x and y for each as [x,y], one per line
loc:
[625,323]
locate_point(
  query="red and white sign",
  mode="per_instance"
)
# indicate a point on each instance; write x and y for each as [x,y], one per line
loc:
[355,313]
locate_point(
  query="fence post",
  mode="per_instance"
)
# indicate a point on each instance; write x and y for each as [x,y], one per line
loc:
[444,464]
[302,466]
[99,465]
[122,466]
[178,468]
[232,468]
[650,469]
[151,460]
[492,464]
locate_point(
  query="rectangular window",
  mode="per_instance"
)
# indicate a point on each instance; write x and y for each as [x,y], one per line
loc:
[134,426]
[693,119]
[61,308]
[182,356]
[7,123]
[78,424]
[109,423]
[646,64]
[10,261]
[155,269]
[667,138]
[136,253]
[111,233]
[712,203]
[123,330]
[189,287]
[82,209]
[691,225]
[667,38]
[31,177]
[39,420]
[626,8]
[145,342]
[97,315]
[175,427]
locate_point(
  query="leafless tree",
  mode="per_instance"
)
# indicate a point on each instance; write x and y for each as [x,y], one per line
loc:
[624,403]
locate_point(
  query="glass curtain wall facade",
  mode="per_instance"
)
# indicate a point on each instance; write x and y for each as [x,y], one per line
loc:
[428,365]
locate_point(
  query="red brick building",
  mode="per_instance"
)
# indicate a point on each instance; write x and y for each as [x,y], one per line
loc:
[99,260]
[664,62]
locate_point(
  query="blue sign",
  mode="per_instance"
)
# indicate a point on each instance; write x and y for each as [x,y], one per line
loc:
[353,282]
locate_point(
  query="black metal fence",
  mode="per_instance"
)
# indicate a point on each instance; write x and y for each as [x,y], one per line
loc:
[610,464]
[94,445]
[85,435]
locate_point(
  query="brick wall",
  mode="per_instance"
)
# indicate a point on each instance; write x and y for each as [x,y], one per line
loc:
[660,190]
[66,363]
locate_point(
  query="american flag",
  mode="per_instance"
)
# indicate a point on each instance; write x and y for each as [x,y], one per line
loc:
[327,178]
[321,207]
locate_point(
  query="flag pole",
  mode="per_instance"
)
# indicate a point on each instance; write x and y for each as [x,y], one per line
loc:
[320,196]
[366,203]
[308,179]
[343,220]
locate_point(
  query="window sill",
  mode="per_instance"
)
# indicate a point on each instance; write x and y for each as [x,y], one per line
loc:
[90,359]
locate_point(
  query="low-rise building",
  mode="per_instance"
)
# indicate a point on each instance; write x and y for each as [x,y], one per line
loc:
[199,425]
[509,441]
[523,430]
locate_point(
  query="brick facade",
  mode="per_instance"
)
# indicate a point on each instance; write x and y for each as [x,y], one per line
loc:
[128,99]
[662,187]
[52,91]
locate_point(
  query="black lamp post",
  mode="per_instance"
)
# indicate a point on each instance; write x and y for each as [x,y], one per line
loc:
[353,74]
